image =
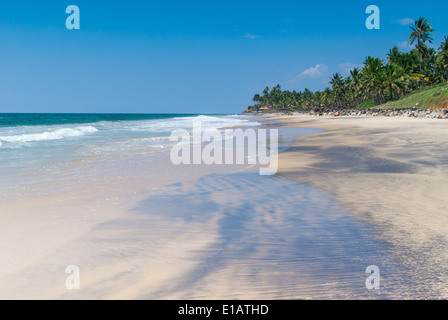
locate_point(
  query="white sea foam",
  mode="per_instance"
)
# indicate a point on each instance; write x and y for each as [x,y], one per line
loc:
[227,121]
[48,135]
[207,122]
[113,133]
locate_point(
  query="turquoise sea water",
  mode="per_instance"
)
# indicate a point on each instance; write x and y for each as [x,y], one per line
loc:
[34,130]
[41,119]
[41,147]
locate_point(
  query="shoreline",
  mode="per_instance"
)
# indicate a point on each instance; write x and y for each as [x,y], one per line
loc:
[390,172]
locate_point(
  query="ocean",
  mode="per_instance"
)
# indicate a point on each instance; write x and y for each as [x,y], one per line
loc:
[42,147]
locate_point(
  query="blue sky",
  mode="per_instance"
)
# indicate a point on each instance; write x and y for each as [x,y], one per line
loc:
[188,56]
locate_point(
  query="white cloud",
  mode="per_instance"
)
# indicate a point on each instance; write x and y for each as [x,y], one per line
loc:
[404,45]
[251,36]
[312,76]
[346,67]
[314,72]
[405,21]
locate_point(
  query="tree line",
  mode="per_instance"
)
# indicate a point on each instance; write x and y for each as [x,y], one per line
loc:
[377,82]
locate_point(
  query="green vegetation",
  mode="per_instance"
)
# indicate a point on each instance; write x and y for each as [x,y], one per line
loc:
[417,76]
[430,98]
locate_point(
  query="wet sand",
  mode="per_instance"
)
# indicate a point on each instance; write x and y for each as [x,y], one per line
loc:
[391,173]
[222,236]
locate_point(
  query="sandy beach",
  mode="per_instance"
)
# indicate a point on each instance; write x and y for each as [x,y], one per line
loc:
[367,191]
[390,172]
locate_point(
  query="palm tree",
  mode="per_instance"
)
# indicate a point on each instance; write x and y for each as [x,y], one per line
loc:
[393,56]
[371,74]
[257,98]
[356,84]
[421,32]
[394,80]
[327,97]
[442,59]
[337,83]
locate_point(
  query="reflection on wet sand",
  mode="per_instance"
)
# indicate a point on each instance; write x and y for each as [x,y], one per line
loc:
[237,236]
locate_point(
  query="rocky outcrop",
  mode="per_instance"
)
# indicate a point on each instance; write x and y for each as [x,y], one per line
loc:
[409,113]
[269,112]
